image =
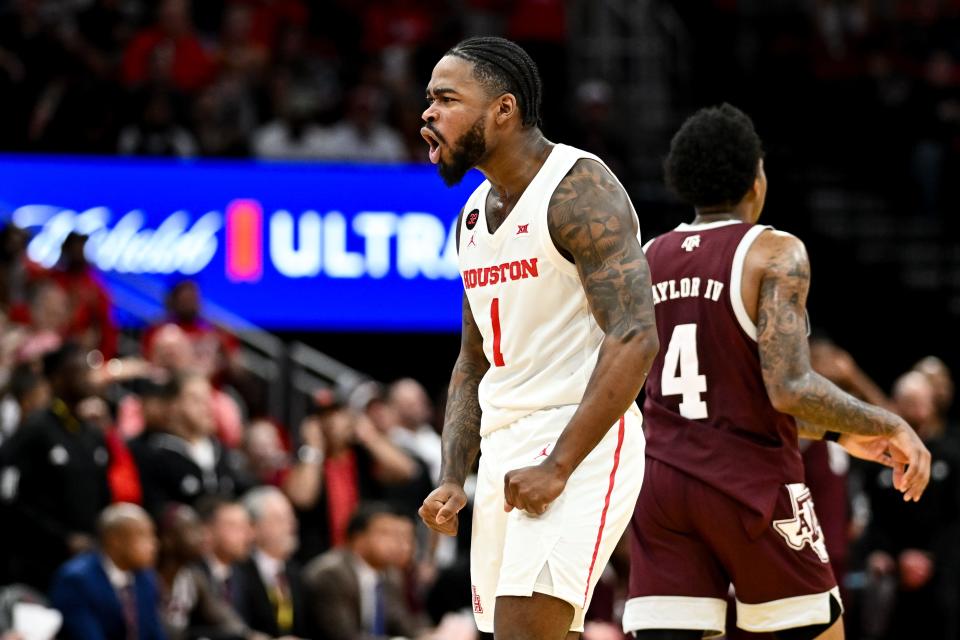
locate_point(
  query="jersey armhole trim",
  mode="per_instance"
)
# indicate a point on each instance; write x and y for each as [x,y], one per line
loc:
[647,245]
[736,281]
[559,171]
[477,198]
[553,253]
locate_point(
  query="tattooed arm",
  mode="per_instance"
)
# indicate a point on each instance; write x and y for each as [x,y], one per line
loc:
[779,262]
[461,428]
[591,222]
[461,422]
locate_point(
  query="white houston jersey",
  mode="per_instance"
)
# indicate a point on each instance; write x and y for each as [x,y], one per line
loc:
[538,332]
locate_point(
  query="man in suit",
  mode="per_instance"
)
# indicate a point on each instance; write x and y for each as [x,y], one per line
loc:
[54,474]
[112,594]
[271,593]
[354,592]
[230,537]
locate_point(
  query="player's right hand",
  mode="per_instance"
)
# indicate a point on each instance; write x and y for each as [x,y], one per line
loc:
[440,508]
[903,451]
[905,444]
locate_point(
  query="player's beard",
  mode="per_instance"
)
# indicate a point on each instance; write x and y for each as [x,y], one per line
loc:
[468,152]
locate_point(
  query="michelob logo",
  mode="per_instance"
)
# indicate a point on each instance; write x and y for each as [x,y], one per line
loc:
[174,246]
[369,244]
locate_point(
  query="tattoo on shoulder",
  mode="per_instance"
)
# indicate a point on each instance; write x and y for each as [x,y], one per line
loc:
[592,223]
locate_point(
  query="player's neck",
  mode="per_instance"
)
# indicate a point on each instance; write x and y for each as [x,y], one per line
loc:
[706,216]
[512,168]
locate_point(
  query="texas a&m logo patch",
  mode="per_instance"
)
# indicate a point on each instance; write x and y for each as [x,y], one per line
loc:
[803,528]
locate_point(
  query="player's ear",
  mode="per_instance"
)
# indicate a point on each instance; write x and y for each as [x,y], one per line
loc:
[506,108]
[759,182]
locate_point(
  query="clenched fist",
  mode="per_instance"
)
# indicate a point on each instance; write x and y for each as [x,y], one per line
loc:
[532,489]
[440,508]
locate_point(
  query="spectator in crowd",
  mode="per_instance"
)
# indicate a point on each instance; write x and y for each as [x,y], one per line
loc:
[54,474]
[292,135]
[112,593]
[271,597]
[146,412]
[156,132]
[358,463]
[269,17]
[47,319]
[223,115]
[939,376]
[91,317]
[186,462]
[268,461]
[27,392]
[840,368]
[913,559]
[230,538]
[16,270]
[172,351]
[355,591]
[191,606]
[170,47]
[238,51]
[363,136]
[414,431]
[215,352]
[103,30]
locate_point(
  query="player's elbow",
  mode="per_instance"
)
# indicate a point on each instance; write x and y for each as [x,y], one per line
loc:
[649,348]
[785,395]
[644,343]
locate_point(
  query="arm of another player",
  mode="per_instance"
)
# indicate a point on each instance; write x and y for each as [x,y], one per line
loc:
[461,430]
[591,220]
[792,384]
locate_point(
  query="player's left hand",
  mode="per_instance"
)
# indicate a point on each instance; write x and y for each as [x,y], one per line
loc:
[532,489]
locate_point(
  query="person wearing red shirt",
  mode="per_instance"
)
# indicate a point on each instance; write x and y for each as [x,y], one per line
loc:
[170,46]
[215,350]
[91,320]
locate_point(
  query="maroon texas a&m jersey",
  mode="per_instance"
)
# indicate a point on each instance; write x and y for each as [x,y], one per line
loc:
[707,412]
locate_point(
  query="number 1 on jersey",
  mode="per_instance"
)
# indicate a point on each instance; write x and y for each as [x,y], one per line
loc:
[495,321]
[689,384]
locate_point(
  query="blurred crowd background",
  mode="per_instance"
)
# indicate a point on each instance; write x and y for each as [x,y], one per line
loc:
[253,524]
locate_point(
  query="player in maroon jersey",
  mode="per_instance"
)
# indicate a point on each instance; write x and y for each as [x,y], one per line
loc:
[723,500]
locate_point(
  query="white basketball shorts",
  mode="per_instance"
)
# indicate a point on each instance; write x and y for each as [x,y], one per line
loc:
[562,552]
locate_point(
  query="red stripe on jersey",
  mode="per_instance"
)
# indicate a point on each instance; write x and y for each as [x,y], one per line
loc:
[495,320]
[606,506]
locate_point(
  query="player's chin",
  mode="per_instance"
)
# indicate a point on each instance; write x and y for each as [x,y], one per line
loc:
[451,177]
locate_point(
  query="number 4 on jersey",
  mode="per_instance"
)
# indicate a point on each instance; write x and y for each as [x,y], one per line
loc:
[689,384]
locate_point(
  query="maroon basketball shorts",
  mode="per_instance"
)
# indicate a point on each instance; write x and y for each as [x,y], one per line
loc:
[689,544]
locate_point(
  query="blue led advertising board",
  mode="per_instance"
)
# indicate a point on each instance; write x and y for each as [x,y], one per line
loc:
[284,246]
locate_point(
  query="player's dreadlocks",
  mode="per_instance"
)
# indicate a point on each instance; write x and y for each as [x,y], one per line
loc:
[503,66]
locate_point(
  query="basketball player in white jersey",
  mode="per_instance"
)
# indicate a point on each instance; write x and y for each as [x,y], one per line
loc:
[558,335]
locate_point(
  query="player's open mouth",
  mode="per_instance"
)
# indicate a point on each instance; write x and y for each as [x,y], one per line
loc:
[434,143]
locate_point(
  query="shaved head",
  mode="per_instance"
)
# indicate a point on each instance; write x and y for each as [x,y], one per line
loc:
[118,516]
